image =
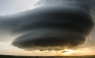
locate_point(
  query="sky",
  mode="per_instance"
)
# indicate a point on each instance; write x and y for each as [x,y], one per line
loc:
[14,6]
[8,7]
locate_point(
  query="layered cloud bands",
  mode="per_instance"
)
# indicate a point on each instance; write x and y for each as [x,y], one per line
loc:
[50,27]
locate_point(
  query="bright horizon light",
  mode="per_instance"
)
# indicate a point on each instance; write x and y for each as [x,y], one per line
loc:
[67,52]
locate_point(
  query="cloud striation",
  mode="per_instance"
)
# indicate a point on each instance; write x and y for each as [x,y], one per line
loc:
[50,27]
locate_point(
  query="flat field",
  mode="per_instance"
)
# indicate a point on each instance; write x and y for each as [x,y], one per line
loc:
[5,56]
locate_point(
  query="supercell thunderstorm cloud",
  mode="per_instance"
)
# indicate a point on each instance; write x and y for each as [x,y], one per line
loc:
[55,25]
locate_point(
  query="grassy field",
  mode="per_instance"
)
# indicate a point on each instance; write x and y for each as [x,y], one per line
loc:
[3,56]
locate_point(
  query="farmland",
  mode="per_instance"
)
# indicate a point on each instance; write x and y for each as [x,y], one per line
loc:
[9,56]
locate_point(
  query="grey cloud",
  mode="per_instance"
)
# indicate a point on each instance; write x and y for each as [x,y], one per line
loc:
[43,28]
[48,38]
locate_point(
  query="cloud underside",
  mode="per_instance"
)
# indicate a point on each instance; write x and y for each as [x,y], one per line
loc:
[48,40]
[47,31]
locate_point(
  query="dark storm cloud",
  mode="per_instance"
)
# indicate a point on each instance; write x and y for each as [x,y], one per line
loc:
[39,30]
